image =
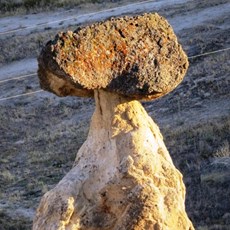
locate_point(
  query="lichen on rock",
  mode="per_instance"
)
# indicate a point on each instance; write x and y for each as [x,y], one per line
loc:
[138,57]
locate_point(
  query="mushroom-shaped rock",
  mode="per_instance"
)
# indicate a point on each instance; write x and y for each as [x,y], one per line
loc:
[123,177]
[136,56]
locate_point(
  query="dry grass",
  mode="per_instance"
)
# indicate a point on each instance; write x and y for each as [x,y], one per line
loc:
[34,159]
[34,6]
[7,223]
[206,179]
[18,7]
[224,150]
[214,227]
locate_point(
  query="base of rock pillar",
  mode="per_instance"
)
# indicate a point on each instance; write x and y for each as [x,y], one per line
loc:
[123,177]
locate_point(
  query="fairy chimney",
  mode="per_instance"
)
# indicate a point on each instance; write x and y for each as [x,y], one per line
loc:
[123,177]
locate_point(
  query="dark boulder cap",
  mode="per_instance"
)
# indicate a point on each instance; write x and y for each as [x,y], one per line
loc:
[137,56]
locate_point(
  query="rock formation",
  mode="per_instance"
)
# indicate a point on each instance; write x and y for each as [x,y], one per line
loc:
[123,177]
[138,57]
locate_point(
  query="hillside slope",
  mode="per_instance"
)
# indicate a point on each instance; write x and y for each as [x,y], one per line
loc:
[40,133]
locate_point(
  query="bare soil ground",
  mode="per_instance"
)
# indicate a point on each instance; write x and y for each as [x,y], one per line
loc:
[40,134]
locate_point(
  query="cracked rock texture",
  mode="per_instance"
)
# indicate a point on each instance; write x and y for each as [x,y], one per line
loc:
[123,177]
[135,56]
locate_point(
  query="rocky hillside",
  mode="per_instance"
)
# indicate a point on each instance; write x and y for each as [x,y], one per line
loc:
[40,133]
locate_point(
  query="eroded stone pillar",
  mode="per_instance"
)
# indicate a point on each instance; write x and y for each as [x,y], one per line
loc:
[123,177]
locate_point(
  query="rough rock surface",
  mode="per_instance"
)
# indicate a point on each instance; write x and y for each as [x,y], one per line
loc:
[134,56]
[123,177]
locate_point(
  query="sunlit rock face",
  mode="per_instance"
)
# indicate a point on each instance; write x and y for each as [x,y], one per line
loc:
[138,57]
[123,177]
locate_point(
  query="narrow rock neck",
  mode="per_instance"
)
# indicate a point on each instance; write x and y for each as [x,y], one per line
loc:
[117,114]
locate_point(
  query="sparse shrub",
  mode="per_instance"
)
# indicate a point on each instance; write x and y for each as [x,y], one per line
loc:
[6,176]
[39,3]
[9,5]
[224,150]
[24,6]
[7,223]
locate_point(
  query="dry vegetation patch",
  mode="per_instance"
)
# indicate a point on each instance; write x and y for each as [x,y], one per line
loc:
[10,7]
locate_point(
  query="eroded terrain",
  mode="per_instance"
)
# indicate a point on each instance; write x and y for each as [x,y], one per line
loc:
[41,133]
